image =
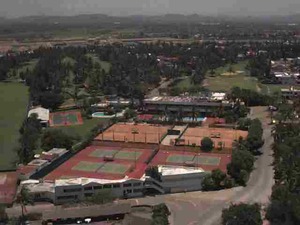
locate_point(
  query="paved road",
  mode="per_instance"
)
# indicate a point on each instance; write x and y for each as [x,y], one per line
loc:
[197,208]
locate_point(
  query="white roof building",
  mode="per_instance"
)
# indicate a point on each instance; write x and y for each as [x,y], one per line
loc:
[43,114]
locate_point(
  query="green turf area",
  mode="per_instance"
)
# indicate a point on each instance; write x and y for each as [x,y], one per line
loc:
[205,160]
[87,166]
[114,168]
[81,130]
[241,66]
[13,101]
[241,79]
[225,83]
[102,153]
[129,155]
[179,158]
[72,118]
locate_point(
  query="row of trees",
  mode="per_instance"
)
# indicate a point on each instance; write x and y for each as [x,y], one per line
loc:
[285,198]
[242,160]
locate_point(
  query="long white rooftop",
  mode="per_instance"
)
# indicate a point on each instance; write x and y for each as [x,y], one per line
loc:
[178,170]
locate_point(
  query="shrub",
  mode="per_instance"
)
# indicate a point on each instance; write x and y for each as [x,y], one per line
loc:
[207,144]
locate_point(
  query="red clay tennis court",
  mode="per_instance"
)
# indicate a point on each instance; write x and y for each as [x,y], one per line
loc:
[206,161]
[66,118]
[138,133]
[102,162]
[193,136]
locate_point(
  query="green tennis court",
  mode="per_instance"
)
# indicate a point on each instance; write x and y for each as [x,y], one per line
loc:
[87,166]
[129,155]
[179,158]
[114,168]
[206,160]
[66,118]
[102,153]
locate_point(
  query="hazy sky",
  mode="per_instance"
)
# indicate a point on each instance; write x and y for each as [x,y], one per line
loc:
[14,8]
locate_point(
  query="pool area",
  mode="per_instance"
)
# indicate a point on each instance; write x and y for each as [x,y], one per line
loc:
[103,115]
[190,119]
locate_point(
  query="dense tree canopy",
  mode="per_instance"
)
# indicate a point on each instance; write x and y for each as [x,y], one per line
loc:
[55,138]
[242,214]
[207,144]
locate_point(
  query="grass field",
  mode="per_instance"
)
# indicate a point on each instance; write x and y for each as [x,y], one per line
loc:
[83,129]
[221,82]
[13,101]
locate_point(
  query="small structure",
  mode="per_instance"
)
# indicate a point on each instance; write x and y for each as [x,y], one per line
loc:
[290,93]
[42,114]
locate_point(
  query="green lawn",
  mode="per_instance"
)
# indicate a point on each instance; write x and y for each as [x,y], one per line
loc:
[225,83]
[14,99]
[272,88]
[82,130]
[242,79]
[241,66]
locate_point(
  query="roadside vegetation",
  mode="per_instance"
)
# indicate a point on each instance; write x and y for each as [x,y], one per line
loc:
[285,198]
[242,160]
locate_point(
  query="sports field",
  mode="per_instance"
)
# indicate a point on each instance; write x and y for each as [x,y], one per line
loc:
[104,162]
[138,133]
[206,161]
[13,101]
[193,136]
[66,118]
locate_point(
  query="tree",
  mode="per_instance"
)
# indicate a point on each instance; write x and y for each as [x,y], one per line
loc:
[129,113]
[24,198]
[245,214]
[160,214]
[207,144]
[55,138]
[153,172]
[214,181]
[240,166]
[29,136]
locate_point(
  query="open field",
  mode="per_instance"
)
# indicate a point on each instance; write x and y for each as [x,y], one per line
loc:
[206,161]
[193,136]
[239,78]
[139,133]
[91,162]
[224,83]
[83,129]
[14,99]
